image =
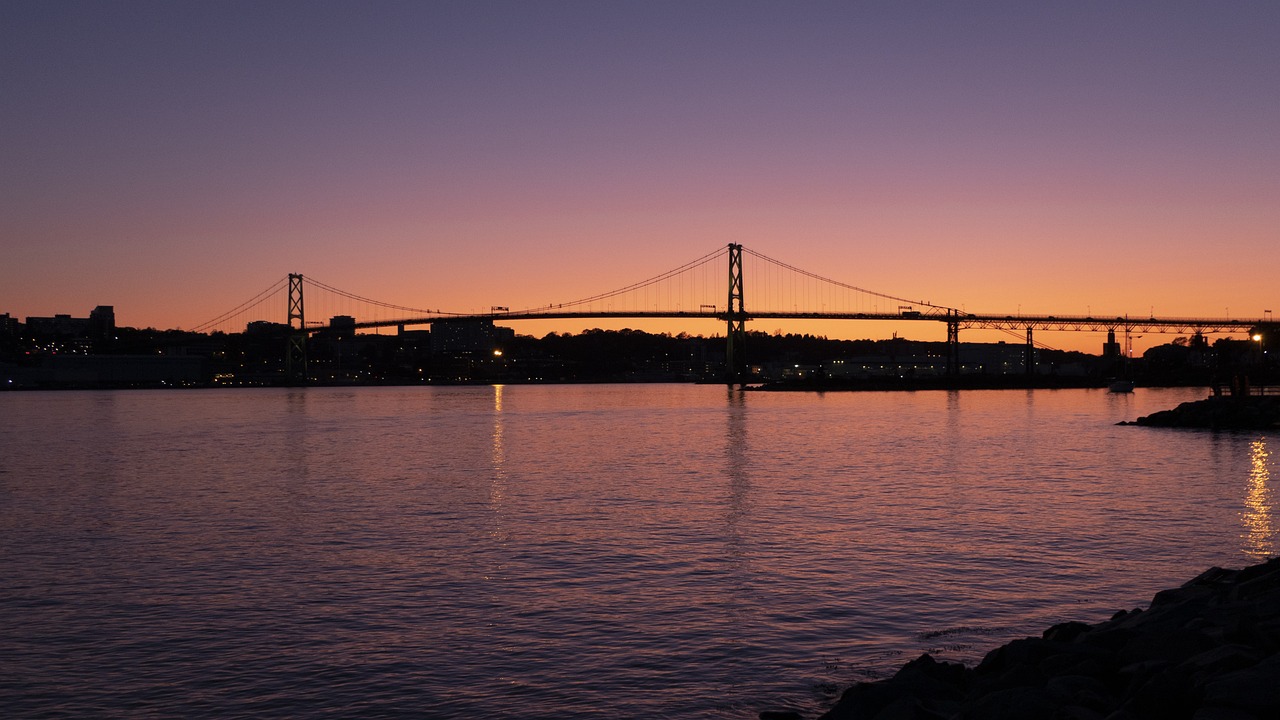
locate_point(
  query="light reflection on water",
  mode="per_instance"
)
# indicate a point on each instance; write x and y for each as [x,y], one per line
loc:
[1259,528]
[497,486]
[577,551]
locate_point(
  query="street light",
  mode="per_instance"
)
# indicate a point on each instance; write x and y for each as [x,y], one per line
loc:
[1262,358]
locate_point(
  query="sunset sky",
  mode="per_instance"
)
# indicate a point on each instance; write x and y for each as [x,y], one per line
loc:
[174,158]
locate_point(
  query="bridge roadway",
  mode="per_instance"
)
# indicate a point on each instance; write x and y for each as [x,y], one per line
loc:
[962,321]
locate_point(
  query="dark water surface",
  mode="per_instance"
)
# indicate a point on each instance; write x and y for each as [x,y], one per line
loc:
[577,551]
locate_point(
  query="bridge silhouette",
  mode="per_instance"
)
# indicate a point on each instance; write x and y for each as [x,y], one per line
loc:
[712,287]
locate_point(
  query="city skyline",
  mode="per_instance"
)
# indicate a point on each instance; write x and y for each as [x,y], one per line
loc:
[171,159]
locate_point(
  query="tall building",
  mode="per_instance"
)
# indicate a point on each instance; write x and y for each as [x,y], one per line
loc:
[102,322]
[1111,348]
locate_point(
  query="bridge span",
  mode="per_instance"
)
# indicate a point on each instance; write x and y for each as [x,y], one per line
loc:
[965,321]
[719,296]
[955,322]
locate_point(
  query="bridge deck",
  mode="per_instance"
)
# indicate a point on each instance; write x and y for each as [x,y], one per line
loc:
[963,320]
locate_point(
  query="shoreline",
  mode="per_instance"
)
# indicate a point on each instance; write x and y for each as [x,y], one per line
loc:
[1207,650]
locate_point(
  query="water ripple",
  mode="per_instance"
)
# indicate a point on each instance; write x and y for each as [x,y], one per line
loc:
[576,552]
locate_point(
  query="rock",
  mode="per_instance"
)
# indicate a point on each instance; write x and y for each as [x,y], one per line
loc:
[1080,690]
[1167,695]
[1065,632]
[1213,576]
[864,700]
[909,708]
[1015,703]
[1255,689]
[1208,650]
[1220,661]
[1251,412]
[925,676]
[1213,713]
[1165,645]
[1079,659]
[1258,586]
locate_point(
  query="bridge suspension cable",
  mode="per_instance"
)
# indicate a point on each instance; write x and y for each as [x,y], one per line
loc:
[247,306]
[1016,334]
[687,267]
[940,309]
[377,303]
[767,288]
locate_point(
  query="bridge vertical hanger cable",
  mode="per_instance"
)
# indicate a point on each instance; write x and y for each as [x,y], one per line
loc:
[242,308]
[933,310]
[635,292]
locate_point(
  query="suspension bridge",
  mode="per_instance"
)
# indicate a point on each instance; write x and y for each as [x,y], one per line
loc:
[712,287]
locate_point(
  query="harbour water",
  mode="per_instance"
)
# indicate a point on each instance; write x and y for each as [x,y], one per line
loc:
[663,551]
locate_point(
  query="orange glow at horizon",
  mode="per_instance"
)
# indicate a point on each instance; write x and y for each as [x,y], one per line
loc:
[1053,161]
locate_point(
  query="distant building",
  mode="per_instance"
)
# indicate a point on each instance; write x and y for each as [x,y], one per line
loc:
[468,337]
[1111,348]
[58,326]
[343,326]
[263,327]
[874,366]
[102,322]
[100,325]
[95,371]
[8,325]
[994,359]
[918,362]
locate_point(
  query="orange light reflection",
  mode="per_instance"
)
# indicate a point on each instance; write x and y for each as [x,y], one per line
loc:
[1259,533]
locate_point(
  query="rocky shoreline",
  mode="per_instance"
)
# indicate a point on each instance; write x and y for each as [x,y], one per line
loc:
[1251,412]
[1209,650]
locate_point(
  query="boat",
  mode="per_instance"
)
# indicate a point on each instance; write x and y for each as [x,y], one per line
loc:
[1121,386]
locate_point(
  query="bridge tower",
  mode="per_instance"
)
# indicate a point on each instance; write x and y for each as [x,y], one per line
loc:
[1029,357]
[295,357]
[953,344]
[736,319]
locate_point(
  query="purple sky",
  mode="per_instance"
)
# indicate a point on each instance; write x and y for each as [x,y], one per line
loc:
[174,158]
